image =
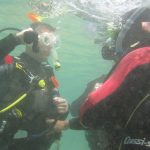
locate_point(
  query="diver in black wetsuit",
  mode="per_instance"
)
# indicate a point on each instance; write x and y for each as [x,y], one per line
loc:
[30,79]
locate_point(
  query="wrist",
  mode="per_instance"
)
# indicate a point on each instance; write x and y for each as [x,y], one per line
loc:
[66,125]
[17,39]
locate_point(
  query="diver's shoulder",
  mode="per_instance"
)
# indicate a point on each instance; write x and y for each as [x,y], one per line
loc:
[137,57]
[141,52]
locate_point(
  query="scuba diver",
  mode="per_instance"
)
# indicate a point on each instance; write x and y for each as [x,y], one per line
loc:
[99,139]
[120,105]
[29,90]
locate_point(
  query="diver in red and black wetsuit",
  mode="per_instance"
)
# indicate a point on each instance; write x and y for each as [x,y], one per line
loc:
[121,104]
[102,138]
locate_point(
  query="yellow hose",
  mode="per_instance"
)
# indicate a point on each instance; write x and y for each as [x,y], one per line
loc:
[13,104]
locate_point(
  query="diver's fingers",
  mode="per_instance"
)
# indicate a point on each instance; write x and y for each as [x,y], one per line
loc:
[50,121]
[61,104]
[62,110]
[58,126]
[20,35]
[59,100]
[61,125]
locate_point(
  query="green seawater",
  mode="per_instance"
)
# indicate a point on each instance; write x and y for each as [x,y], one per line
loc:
[80,58]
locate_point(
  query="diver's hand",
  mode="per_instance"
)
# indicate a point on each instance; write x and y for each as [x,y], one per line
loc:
[97,85]
[26,36]
[59,125]
[61,105]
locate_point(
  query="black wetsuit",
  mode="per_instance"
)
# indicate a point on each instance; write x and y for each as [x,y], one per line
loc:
[35,108]
[121,105]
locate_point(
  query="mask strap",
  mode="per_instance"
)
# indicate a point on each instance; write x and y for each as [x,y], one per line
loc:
[32,37]
[35,46]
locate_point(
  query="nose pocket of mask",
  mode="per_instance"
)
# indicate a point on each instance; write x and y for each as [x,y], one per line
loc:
[47,39]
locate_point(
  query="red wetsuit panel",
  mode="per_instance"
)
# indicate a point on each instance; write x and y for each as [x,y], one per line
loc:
[131,61]
[8,59]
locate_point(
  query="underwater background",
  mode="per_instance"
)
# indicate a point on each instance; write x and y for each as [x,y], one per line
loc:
[80,57]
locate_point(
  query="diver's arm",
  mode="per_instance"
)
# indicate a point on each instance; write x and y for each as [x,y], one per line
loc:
[5,70]
[75,124]
[7,44]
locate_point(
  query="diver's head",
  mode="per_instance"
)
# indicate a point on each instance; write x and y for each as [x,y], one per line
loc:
[108,50]
[43,43]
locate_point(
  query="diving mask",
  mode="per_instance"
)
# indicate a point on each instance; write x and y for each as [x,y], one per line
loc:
[50,40]
[45,42]
[47,39]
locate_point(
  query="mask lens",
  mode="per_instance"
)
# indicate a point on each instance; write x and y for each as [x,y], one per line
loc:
[47,39]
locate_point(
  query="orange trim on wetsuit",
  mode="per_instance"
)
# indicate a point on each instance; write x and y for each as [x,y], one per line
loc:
[130,62]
